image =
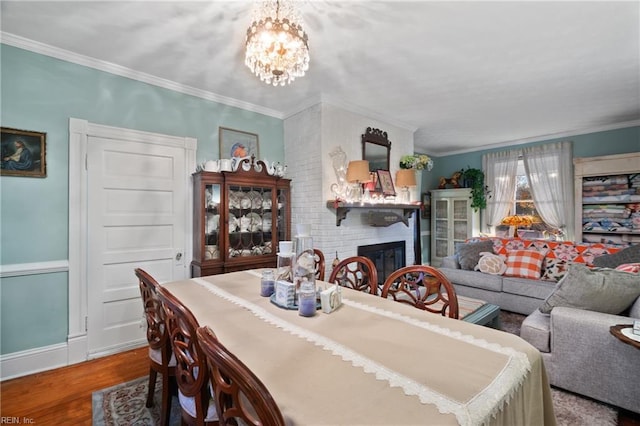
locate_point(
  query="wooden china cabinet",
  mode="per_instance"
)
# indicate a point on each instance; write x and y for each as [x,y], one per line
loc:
[238,218]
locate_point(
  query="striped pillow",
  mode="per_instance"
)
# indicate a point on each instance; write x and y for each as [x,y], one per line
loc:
[525,263]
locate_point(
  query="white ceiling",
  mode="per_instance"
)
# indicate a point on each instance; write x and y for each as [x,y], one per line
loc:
[463,75]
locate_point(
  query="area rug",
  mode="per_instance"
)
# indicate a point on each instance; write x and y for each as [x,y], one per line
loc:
[124,404]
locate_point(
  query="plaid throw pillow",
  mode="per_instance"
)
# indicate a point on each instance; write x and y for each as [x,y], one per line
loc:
[525,263]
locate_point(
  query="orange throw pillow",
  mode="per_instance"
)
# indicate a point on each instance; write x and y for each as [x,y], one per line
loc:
[525,263]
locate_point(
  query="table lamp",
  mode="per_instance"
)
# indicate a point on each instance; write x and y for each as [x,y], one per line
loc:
[358,173]
[404,179]
[517,220]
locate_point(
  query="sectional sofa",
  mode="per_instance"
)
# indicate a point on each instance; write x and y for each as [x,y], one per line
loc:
[569,321]
[517,293]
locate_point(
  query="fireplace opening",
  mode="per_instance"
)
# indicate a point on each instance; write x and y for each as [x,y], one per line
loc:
[388,257]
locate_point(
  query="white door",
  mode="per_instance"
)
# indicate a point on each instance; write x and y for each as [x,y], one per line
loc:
[136,218]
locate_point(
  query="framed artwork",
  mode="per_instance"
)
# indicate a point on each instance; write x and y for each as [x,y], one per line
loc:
[426,205]
[23,153]
[236,143]
[386,183]
[373,185]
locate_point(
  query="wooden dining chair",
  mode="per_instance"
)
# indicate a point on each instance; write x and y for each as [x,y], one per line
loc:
[356,272]
[240,396]
[318,256]
[161,358]
[192,377]
[424,287]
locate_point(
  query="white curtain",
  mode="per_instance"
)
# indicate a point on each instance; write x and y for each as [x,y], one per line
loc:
[500,171]
[549,169]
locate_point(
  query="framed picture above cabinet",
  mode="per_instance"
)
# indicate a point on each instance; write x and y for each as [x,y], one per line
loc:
[238,144]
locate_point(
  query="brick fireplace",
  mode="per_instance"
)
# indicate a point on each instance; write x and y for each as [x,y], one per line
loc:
[310,136]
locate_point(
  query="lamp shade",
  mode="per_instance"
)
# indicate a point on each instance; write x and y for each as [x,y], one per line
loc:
[358,171]
[518,220]
[406,177]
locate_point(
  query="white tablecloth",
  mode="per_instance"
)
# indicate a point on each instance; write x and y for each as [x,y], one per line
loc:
[373,361]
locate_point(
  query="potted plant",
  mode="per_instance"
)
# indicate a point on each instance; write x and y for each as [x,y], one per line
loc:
[474,179]
[417,162]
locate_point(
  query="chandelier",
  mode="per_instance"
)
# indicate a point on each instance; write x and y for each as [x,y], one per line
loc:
[277,48]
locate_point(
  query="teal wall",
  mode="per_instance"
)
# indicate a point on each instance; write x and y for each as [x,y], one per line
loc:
[608,142]
[40,93]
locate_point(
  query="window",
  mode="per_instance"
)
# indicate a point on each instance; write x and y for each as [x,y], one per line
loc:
[546,190]
[524,205]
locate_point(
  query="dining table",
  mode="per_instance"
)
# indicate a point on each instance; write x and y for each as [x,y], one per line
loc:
[372,361]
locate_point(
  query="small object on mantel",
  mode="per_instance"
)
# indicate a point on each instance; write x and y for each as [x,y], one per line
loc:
[386,218]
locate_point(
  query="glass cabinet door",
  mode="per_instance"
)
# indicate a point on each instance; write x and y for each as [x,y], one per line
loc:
[253,219]
[212,221]
[460,220]
[441,221]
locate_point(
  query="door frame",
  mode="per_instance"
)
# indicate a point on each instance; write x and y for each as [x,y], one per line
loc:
[79,132]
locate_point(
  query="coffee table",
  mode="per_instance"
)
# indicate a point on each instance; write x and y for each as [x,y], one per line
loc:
[486,314]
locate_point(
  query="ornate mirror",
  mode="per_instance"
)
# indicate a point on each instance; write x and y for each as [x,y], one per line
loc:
[376,148]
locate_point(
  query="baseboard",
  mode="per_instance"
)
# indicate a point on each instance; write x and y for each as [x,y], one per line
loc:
[36,360]
[31,361]
[119,348]
[76,348]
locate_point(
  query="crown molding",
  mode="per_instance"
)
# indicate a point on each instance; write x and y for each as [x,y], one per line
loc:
[87,61]
[539,138]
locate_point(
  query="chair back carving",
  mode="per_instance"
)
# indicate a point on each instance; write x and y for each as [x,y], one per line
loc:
[318,256]
[160,353]
[356,272]
[191,365]
[424,287]
[157,335]
[234,385]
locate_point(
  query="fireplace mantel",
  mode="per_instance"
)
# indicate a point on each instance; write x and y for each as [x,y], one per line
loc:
[342,208]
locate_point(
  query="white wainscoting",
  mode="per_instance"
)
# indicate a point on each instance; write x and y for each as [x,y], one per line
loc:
[31,361]
[44,358]
[21,269]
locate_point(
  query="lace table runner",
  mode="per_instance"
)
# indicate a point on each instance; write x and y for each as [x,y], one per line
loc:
[476,411]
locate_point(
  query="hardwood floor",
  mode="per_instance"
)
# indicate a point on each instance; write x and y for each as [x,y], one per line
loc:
[63,396]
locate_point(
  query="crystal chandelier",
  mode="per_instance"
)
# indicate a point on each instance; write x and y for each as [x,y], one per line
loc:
[277,46]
